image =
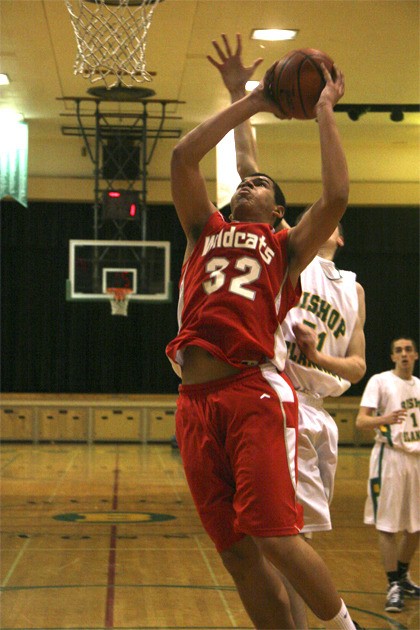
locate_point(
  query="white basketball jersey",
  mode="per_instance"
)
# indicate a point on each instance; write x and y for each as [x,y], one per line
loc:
[329,304]
[386,392]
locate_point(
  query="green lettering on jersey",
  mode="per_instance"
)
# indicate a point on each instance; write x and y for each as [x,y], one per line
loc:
[332,320]
[304,299]
[302,360]
[341,329]
[411,436]
[410,403]
[313,303]
[291,347]
[323,310]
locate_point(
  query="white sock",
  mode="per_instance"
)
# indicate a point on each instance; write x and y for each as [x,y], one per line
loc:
[342,620]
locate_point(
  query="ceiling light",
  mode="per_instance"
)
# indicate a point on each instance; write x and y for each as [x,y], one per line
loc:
[4,79]
[251,85]
[273,34]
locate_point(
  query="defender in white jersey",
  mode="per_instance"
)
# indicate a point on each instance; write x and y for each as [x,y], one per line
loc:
[391,406]
[324,335]
[326,353]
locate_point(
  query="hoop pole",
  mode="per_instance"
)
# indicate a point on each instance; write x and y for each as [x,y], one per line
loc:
[144,175]
[97,168]
[82,130]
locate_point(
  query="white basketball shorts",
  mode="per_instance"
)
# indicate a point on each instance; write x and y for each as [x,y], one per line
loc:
[317,463]
[393,502]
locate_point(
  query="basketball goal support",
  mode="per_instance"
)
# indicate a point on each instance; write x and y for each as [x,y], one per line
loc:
[104,131]
[111,38]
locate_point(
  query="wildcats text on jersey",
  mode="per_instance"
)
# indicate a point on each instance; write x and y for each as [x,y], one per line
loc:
[236,238]
[321,308]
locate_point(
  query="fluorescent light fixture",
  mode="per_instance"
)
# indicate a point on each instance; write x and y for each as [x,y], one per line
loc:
[4,79]
[14,161]
[251,85]
[273,34]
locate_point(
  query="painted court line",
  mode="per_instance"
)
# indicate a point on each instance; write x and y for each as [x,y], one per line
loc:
[15,563]
[9,461]
[63,476]
[169,478]
[215,581]
[112,558]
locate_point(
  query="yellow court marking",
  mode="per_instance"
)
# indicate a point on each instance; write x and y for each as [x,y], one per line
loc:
[113,517]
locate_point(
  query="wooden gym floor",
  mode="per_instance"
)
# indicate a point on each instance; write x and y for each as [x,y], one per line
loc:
[106,536]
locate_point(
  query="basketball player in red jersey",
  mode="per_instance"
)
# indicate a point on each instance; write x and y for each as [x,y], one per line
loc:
[343,355]
[236,420]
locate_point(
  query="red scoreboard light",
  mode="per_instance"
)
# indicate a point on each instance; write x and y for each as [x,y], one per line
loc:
[121,205]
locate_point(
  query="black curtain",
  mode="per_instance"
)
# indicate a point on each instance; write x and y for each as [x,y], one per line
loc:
[382,248]
[51,345]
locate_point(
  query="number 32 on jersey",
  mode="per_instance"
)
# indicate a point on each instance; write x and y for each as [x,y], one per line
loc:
[249,270]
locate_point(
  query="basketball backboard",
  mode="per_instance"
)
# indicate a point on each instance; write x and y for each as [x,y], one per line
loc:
[96,266]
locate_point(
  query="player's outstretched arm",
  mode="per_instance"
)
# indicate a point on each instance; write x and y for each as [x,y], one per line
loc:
[188,185]
[235,76]
[320,221]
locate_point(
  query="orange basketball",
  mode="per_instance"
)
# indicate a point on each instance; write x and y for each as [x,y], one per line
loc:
[298,81]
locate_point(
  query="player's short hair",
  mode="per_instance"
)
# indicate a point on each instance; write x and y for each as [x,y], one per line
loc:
[403,337]
[300,215]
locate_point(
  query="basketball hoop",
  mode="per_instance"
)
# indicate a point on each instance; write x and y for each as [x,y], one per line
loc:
[119,300]
[111,39]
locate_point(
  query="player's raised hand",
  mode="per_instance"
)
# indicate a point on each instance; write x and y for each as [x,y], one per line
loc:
[230,65]
[334,86]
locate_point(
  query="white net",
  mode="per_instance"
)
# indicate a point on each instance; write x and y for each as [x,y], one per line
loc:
[119,301]
[111,39]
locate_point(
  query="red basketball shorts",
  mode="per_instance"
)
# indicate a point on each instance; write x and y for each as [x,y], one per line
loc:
[238,439]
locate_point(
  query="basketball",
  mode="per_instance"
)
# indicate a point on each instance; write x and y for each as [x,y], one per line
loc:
[298,82]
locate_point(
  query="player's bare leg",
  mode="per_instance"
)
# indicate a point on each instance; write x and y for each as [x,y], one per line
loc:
[297,606]
[259,586]
[389,550]
[407,546]
[309,576]
[388,546]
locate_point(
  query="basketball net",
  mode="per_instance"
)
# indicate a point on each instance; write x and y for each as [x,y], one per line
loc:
[111,39]
[119,300]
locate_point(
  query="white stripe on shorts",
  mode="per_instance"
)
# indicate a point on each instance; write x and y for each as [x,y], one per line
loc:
[285,394]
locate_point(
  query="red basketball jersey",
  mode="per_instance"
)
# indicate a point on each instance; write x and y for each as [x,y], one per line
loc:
[234,293]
